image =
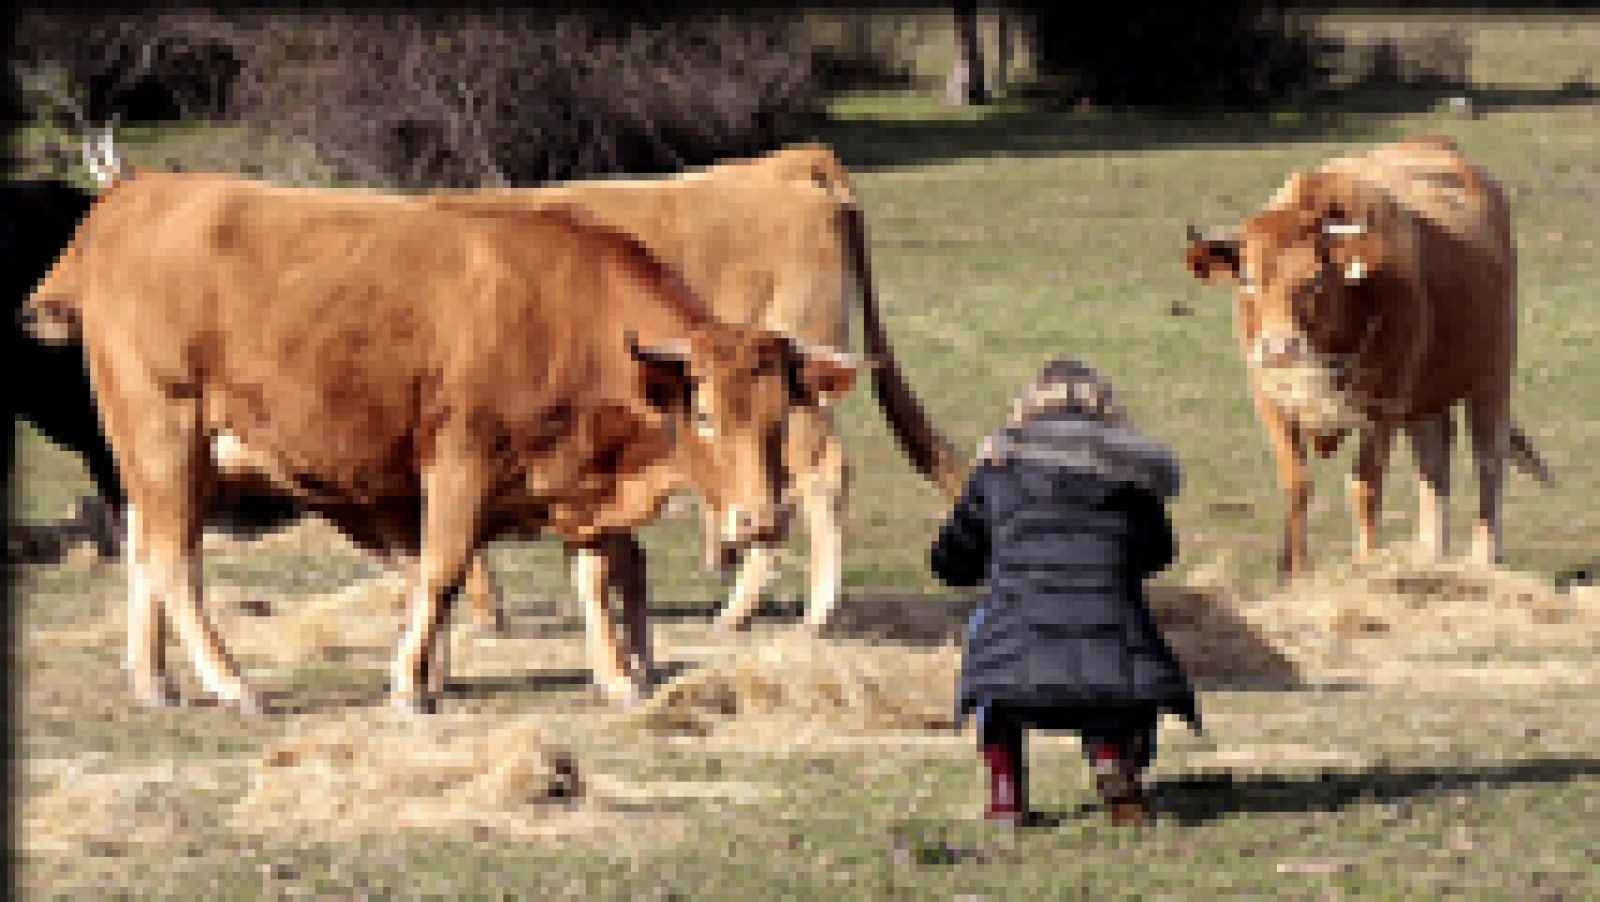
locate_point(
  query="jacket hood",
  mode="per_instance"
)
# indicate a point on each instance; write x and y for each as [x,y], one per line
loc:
[1087,451]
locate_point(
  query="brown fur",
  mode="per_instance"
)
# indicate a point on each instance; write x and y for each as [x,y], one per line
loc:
[427,379]
[1415,298]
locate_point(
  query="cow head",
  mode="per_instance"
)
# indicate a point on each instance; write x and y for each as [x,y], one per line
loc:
[1310,271]
[730,390]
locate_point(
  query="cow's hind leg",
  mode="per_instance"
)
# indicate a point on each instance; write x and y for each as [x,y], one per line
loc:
[170,492]
[488,608]
[452,532]
[1366,486]
[1430,443]
[629,565]
[1489,421]
[147,625]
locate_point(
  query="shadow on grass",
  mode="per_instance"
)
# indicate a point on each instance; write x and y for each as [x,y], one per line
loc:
[1201,797]
[1023,127]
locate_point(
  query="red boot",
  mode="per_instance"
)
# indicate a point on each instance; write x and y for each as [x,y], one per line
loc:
[1008,787]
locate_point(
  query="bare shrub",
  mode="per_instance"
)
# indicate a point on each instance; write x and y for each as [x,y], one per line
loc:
[501,98]
[116,66]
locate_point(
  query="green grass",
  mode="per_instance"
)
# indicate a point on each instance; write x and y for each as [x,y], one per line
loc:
[1003,237]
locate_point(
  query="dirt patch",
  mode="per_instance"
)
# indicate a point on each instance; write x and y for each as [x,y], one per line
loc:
[796,682]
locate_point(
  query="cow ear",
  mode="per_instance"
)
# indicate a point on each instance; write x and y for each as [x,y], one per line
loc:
[1211,257]
[623,440]
[664,373]
[819,375]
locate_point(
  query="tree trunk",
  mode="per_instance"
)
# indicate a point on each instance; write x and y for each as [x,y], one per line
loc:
[965,86]
[1002,51]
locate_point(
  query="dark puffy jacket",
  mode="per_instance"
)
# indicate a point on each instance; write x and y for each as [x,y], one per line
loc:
[1064,550]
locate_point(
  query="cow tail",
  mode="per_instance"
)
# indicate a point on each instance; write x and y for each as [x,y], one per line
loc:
[929,452]
[1524,455]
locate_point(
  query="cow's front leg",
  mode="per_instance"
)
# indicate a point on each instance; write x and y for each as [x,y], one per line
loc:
[596,567]
[1289,450]
[452,527]
[1366,486]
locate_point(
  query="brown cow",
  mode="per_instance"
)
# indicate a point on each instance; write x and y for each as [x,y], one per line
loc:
[426,379]
[1375,293]
[777,241]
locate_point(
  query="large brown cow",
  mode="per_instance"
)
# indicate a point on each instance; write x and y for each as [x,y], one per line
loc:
[1375,293]
[776,241]
[426,379]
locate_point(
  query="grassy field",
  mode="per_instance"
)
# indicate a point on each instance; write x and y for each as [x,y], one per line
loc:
[1000,238]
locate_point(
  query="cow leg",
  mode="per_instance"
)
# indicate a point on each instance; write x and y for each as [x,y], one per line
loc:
[628,562]
[147,638]
[1366,486]
[823,503]
[170,490]
[1430,442]
[594,570]
[452,530]
[1488,419]
[1289,450]
[488,609]
[755,572]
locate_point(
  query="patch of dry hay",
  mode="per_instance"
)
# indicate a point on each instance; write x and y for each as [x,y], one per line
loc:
[366,780]
[284,628]
[107,812]
[798,683]
[1361,617]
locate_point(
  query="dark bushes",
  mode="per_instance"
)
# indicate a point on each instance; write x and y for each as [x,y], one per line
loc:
[1225,53]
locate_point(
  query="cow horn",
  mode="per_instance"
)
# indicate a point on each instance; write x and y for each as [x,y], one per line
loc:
[842,358]
[1228,235]
[108,152]
[1342,229]
[91,163]
[676,351]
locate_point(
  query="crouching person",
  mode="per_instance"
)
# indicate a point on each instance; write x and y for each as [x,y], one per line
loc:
[1064,518]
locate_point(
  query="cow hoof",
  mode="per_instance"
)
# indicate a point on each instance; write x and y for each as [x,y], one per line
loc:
[252,704]
[495,626]
[733,624]
[158,698]
[412,705]
[626,696]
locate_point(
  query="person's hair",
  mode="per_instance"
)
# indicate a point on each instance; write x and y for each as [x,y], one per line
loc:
[1068,386]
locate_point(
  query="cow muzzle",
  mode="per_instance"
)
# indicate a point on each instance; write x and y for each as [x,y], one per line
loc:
[1281,349]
